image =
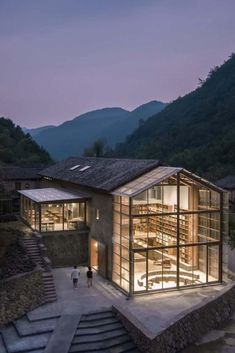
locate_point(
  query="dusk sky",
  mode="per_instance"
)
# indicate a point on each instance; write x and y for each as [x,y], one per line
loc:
[59,58]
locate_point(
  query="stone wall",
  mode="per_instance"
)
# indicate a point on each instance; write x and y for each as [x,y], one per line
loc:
[20,294]
[100,229]
[186,329]
[67,248]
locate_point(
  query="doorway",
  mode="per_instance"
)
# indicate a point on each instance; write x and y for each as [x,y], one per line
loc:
[94,254]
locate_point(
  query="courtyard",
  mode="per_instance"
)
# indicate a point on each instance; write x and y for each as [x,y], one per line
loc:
[154,312]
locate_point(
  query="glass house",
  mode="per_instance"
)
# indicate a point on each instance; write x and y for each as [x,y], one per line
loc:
[51,209]
[167,232]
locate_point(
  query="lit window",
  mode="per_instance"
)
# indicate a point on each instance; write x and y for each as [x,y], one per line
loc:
[74,167]
[84,168]
[97,214]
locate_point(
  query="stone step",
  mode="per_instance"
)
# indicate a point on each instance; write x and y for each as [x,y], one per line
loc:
[29,243]
[109,344]
[25,327]
[50,298]
[49,286]
[36,317]
[34,351]
[96,323]
[47,275]
[50,292]
[29,240]
[100,337]
[16,344]
[33,251]
[47,279]
[96,330]
[49,283]
[102,315]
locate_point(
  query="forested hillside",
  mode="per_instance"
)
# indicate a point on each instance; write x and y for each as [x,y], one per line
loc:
[196,131]
[18,148]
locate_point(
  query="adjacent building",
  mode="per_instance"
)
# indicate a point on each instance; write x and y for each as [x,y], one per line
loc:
[13,179]
[228,184]
[145,226]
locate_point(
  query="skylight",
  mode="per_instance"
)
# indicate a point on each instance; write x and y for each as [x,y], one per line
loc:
[84,168]
[74,167]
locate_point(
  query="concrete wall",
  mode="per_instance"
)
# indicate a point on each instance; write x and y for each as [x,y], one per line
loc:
[186,329]
[67,248]
[101,229]
[20,294]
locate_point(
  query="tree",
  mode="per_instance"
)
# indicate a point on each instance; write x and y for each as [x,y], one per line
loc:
[98,149]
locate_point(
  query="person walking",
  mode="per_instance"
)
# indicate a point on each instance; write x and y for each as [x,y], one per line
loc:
[74,276]
[89,275]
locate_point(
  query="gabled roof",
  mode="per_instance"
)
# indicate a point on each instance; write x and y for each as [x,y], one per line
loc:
[146,181]
[19,173]
[227,183]
[155,177]
[104,174]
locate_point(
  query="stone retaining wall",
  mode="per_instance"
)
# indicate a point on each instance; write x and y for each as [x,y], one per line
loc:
[20,294]
[67,248]
[186,328]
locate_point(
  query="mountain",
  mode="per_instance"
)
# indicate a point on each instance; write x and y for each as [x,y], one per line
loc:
[37,130]
[110,124]
[196,131]
[18,148]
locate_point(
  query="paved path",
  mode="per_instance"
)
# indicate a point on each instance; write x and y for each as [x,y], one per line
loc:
[61,338]
[154,311]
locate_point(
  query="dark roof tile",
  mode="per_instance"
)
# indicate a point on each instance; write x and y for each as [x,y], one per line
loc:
[104,173]
[19,173]
[226,183]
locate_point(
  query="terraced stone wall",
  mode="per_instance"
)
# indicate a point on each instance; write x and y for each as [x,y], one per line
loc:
[67,248]
[186,329]
[20,294]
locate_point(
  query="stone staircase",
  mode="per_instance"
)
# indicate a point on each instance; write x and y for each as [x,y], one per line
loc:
[37,252]
[99,332]
[26,335]
[102,332]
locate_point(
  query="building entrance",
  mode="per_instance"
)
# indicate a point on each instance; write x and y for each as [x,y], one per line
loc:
[94,254]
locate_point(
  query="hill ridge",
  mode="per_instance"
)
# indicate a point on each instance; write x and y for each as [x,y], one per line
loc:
[196,131]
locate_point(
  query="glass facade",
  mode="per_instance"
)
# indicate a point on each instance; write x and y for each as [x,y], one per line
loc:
[121,243]
[53,216]
[167,236]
